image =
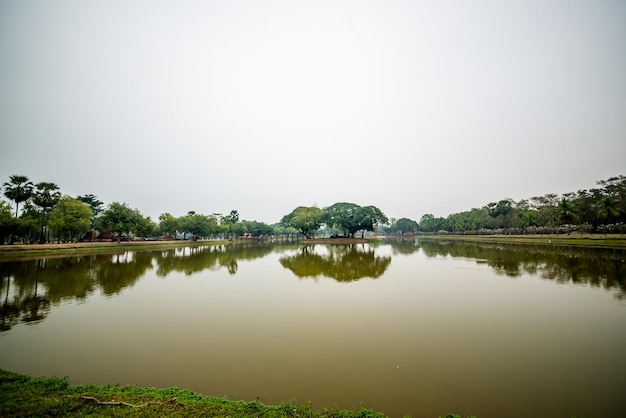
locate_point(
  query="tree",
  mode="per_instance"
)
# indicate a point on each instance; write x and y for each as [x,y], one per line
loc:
[565,212]
[168,224]
[403,226]
[369,217]
[94,204]
[351,217]
[28,222]
[258,229]
[144,226]
[70,218]
[342,215]
[18,189]
[118,219]
[197,225]
[231,219]
[8,223]
[46,196]
[307,220]
[428,223]
[607,209]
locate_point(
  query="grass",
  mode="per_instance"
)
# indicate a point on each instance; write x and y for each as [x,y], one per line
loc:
[573,239]
[23,396]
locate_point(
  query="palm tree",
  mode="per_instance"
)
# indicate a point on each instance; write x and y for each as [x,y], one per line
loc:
[607,209]
[46,196]
[18,189]
[231,219]
[565,211]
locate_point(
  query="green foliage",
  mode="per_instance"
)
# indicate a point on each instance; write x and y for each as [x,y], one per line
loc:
[428,223]
[70,218]
[197,225]
[95,205]
[306,220]
[231,220]
[351,218]
[120,219]
[595,210]
[144,226]
[24,396]
[46,195]
[403,226]
[18,189]
[168,224]
[257,229]
[8,224]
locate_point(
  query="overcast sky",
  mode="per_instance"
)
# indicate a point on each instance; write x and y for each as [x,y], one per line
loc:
[262,106]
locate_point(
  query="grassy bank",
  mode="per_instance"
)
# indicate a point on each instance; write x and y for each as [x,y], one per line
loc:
[574,239]
[34,250]
[22,396]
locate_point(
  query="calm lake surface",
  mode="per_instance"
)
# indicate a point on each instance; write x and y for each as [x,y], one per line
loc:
[420,328]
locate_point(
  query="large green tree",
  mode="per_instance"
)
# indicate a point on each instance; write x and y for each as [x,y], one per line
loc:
[403,226]
[370,217]
[168,224]
[144,226]
[307,220]
[351,218]
[70,218]
[197,225]
[119,219]
[19,189]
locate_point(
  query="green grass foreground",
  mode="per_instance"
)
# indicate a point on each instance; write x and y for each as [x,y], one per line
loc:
[23,396]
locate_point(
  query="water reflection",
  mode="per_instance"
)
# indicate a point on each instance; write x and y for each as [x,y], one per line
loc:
[192,260]
[30,288]
[344,263]
[597,267]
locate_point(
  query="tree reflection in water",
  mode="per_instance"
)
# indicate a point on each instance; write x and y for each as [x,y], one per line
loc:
[29,288]
[597,267]
[344,263]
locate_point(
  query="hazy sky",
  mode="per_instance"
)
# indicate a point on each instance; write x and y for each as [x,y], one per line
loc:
[262,106]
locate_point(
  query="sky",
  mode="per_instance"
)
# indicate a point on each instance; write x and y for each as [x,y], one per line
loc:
[262,106]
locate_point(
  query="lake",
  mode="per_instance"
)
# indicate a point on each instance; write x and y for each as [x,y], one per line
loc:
[401,327]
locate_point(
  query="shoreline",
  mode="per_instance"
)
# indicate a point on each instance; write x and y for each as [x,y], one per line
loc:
[29,250]
[8,251]
[573,239]
[22,395]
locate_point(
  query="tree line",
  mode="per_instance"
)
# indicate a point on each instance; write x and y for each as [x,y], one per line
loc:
[43,214]
[598,210]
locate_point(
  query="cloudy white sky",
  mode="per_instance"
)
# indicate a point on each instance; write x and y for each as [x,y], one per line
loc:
[262,106]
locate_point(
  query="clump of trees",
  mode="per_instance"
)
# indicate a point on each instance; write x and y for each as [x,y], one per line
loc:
[599,210]
[347,218]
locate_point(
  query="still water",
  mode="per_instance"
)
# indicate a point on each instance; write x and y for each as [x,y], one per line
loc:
[401,327]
